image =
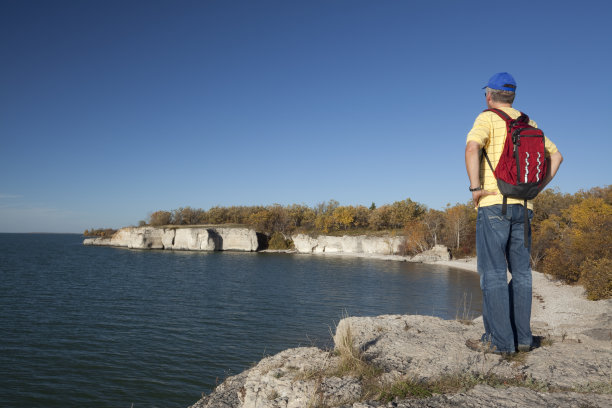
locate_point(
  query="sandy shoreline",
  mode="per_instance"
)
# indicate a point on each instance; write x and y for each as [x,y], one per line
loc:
[559,309]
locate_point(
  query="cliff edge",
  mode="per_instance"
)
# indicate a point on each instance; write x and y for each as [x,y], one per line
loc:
[422,361]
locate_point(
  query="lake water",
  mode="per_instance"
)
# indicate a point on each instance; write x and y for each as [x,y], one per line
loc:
[101,327]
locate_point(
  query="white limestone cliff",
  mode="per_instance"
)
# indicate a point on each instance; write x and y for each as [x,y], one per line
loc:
[246,239]
[189,239]
[361,244]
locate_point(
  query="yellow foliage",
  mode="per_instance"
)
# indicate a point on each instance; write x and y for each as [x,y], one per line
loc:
[596,276]
[324,222]
[416,234]
[582,249]
[344,216]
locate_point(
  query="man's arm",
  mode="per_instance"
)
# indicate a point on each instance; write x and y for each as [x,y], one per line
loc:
[472,165]
[554,161]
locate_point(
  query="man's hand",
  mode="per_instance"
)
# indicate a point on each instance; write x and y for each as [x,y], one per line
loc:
[477,195]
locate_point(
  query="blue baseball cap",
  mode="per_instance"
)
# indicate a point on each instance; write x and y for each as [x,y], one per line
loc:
[502,81]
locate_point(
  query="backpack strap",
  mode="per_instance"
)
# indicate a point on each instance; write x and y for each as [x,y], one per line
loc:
[501,114]
[521,118]
[506,119]
[526,227]
[486,156]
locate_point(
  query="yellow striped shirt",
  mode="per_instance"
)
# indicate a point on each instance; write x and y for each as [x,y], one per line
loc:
[489,131]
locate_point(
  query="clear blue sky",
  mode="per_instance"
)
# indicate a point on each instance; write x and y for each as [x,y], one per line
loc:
[110,110]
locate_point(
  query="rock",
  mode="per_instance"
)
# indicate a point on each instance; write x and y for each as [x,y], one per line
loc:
[187,238]
[437,253]
[335,390]
[138,238]
[226,394]
[304,243]
[381,245]
[570,364]
[96,241]
[422,347]
[168,238]
[361,244]
[193,239]
[285,380]
[484,396]
[235,239]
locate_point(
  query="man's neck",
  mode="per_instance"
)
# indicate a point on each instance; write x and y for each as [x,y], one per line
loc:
[497,105]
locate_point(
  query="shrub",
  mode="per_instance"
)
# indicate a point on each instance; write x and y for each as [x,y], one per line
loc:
[415,240]
[278,241]
[159,218]
[100,232]
[596,276]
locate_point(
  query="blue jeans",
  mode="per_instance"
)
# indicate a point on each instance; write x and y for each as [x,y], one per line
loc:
[506,307]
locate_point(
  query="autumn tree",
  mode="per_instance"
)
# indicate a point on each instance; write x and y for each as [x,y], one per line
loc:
[216,215]
[550,203]
[271,219]
[324,222]
[343,217]
[159,218]
[187,216]
[434,222]
[380,218]
[404,212]
[605,193]
[362,215]
[300,216]
[326,207]
[416,236]
[260,220]
[459,222]
[279,218]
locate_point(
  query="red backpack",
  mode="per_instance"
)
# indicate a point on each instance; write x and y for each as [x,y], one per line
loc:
[521,169]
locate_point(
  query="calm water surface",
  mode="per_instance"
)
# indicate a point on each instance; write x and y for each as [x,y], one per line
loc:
[102,327]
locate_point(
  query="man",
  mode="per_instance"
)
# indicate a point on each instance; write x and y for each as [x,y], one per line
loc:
[500,246]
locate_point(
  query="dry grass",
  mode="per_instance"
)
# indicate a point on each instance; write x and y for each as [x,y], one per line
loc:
[353,363]
[464,312]
[519,358]
[452,384]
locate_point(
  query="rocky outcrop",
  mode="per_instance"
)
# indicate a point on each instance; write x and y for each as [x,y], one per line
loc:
[361,244]
[386,247]
[421,349]
[435,254]
[571,366]
[191,239]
